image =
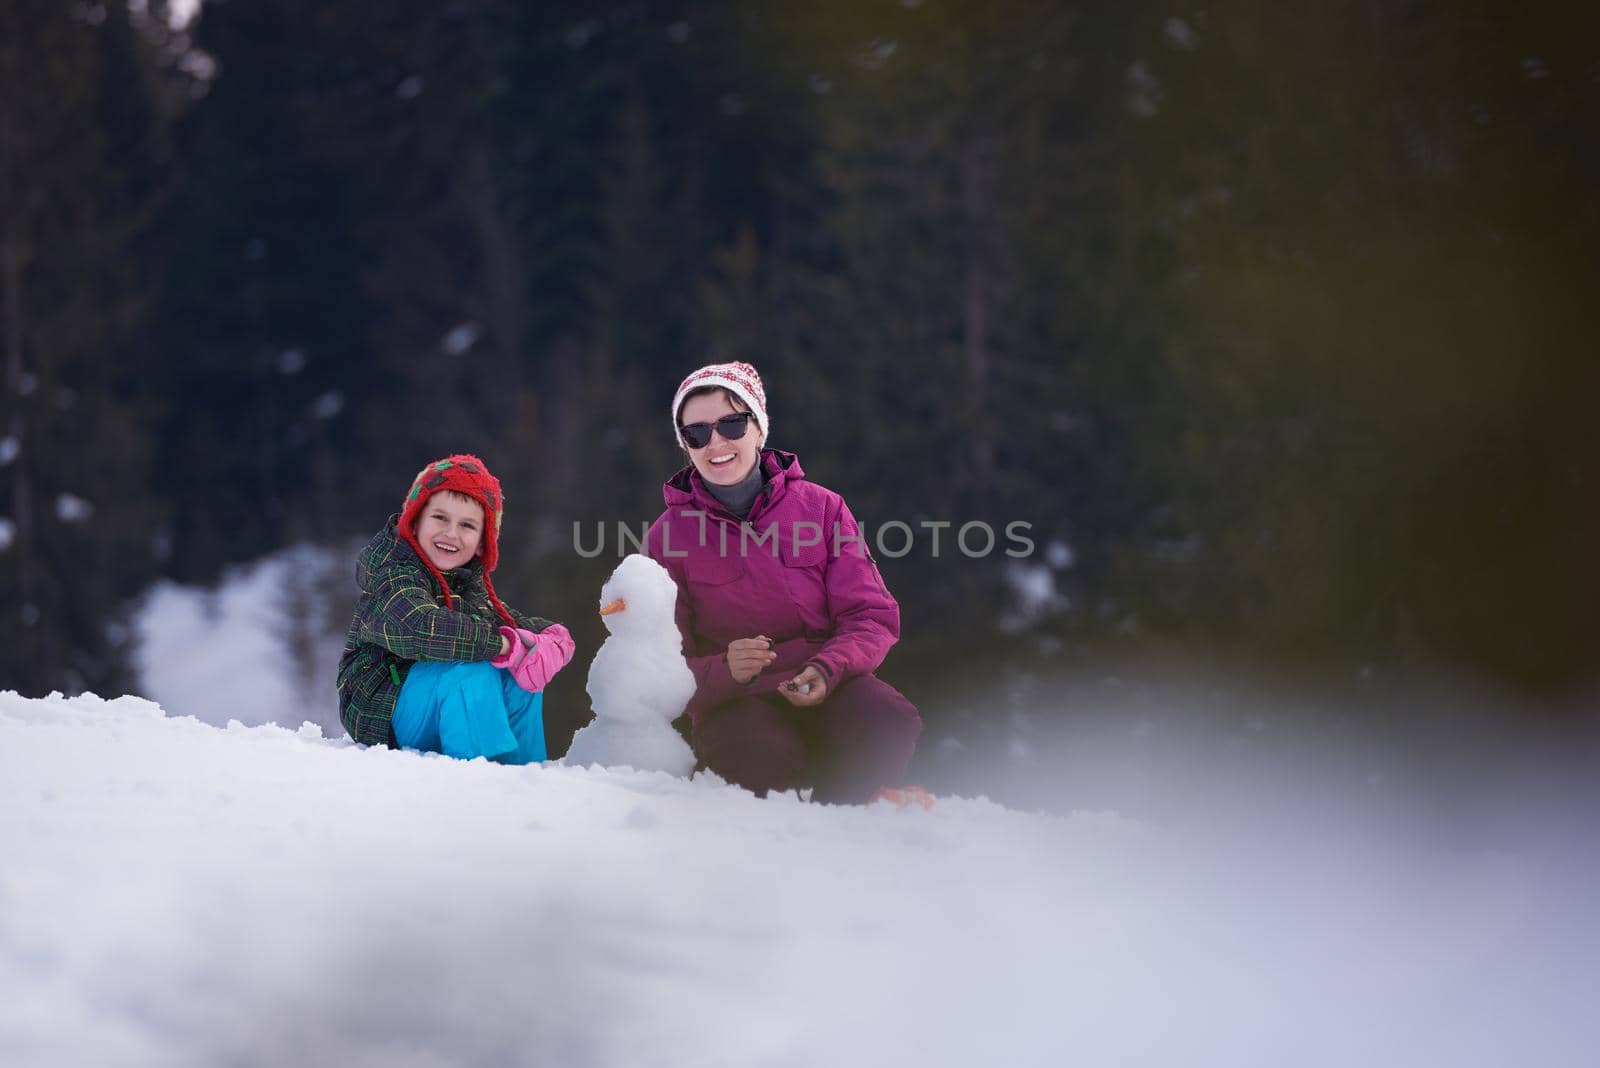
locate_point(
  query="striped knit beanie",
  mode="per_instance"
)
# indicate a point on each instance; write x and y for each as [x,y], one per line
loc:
[739,378]
[470,477]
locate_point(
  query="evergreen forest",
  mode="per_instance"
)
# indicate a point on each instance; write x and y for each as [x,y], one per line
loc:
[1271,321]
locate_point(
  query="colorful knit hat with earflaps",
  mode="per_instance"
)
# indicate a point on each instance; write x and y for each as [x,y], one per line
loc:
[470,477]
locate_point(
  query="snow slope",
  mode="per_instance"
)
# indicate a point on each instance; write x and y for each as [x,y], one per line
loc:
[175,893]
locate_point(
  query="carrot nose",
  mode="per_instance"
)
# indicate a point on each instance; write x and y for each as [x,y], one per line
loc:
[615,606]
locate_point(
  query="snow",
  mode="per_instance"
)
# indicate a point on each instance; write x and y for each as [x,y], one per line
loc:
[1034,595]
[182,894]
[181,12]
[1034,585]
[327,405]
[71,508]
[1145,94]
[179,889]
[1180,33]
[266,639]
[460,338]
[1060,555]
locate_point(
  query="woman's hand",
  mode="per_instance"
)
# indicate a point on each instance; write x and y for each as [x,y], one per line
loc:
[748,657]
[806,688]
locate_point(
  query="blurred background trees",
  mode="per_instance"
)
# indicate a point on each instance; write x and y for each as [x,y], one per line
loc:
[1273,321]
[85,175]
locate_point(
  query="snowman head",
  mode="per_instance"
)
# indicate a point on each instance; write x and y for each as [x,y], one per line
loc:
[639,599]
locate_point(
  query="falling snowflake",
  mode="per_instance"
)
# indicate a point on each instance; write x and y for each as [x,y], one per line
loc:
[461,338]
[73,509]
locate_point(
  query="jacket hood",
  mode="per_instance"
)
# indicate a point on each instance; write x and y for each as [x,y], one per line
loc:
[686,487]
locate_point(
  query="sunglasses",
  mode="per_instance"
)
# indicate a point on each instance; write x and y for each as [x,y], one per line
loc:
[732,427]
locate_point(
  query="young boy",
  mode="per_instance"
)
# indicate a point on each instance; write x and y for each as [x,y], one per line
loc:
[434,660]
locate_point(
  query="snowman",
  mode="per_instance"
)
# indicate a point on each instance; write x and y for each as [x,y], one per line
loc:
[638,682]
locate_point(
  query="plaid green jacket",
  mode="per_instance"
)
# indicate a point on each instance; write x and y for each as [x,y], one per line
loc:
[400,618]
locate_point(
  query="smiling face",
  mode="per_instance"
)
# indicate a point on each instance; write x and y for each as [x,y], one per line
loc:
[450,529]
[722,462]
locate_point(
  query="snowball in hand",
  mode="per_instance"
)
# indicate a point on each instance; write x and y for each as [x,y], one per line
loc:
[639,682]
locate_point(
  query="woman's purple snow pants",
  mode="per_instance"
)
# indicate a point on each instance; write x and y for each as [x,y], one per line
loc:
[859,738]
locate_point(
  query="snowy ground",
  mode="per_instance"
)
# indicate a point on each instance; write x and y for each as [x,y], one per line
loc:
[1230,878]
[176,893]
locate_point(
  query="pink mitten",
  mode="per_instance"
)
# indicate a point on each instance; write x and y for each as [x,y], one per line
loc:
[514,648]
[546,653]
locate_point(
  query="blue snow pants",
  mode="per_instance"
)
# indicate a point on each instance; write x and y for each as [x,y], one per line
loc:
[468,710]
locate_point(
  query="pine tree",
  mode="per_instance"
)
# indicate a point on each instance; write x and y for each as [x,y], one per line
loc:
[1378,217]
[81,135]
[262,316]
[945,337]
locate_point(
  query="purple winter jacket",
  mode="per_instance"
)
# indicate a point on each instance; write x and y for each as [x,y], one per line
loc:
[797,570]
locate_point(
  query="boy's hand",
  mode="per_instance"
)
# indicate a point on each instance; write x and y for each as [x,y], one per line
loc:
[511,650]
[748,657]
[545,653]
[805,689]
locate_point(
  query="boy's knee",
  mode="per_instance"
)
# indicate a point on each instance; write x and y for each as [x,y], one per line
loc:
[469,673]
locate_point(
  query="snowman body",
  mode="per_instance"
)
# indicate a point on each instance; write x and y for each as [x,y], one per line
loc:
[639,682]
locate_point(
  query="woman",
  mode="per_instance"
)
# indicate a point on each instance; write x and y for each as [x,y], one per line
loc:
[783,613]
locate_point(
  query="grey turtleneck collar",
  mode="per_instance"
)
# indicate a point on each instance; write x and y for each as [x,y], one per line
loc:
[738,497]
